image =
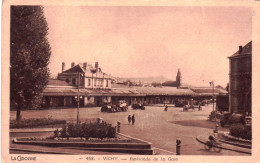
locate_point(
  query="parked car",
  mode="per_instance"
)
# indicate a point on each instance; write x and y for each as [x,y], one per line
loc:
[187,107]
[108,108]
[181,103]
[138,106]
[122,105]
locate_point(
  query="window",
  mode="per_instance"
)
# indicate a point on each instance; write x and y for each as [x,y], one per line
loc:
[88,98]
[95,82]
[107,84]
[67,80]
[89,82]
[73,81]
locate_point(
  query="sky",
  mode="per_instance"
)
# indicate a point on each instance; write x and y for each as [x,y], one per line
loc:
[149,41]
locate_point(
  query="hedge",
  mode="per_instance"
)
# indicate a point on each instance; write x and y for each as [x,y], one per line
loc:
[87,130]
[35,122]
[239,130]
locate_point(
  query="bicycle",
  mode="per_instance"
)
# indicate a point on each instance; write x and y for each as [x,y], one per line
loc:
[212,143]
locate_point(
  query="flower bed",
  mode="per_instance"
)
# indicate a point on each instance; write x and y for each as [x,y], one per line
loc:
[87,130]
[116,139]
[35,122]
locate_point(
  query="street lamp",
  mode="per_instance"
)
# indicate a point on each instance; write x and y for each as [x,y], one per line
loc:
[78,97]
[215,112]
[212,84]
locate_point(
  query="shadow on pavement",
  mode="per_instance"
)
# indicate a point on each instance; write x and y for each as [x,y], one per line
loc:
[195,123]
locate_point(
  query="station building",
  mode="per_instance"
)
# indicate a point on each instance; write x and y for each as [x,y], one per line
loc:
[94,88]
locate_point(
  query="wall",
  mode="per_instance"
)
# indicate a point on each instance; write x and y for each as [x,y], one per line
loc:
[240,84]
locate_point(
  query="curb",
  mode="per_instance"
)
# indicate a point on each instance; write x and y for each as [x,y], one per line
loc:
[33,130]
[39,151]
[226,135]
[235,150]
[143,148]
[134,138]
[235,143]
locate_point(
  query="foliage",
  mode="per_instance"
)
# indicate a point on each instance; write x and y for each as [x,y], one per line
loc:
[170,84]
[236,118]
[88,130]
[236,129]
[156,84]
[29,56]
[239,130]
[34,122]
[247,133]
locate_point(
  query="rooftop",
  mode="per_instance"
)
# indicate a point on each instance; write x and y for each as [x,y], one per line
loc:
[246,50]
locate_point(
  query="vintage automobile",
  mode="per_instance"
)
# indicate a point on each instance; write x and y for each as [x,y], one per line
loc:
[181,103]
[187,107]
[110,108]
[122,105]
[138,106]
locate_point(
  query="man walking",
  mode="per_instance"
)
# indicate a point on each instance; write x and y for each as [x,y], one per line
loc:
[129,119]
[166,108]
[133,119]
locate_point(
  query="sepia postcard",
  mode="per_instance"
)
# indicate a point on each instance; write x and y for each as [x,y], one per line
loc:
[130,81]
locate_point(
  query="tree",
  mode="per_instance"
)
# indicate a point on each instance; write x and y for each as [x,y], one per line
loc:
[29,57]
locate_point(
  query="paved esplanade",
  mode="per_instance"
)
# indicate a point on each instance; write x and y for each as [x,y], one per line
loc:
[155,125]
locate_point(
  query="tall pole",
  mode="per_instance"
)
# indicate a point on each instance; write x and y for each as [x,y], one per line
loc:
[214,101]
[78,100]
[92,81]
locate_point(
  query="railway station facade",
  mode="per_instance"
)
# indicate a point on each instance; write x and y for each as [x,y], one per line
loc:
[94,88]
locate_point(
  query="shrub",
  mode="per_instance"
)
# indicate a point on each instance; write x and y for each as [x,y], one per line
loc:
[239,130]
[236,118]
[87,130]
[247,133]
[35,122]
[63,132]
[236,129]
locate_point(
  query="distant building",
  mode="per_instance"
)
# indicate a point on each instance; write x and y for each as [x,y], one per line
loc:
[85,76]
[178,78]
[177,83]
[240,80]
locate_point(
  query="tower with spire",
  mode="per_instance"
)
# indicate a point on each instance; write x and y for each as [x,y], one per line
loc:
[178,78]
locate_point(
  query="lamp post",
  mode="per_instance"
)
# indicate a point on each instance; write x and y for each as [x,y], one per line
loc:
[78,98]
[214,111]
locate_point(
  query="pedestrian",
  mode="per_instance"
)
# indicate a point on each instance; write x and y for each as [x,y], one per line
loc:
[129,119]
[166,108]
[133,119]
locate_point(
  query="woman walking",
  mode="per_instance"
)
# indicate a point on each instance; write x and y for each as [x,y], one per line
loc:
[129,119]
[133,119]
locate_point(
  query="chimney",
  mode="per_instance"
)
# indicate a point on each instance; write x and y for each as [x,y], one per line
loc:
[72,64]
[85,65]
[240,49]
[96,65]
[63,66]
